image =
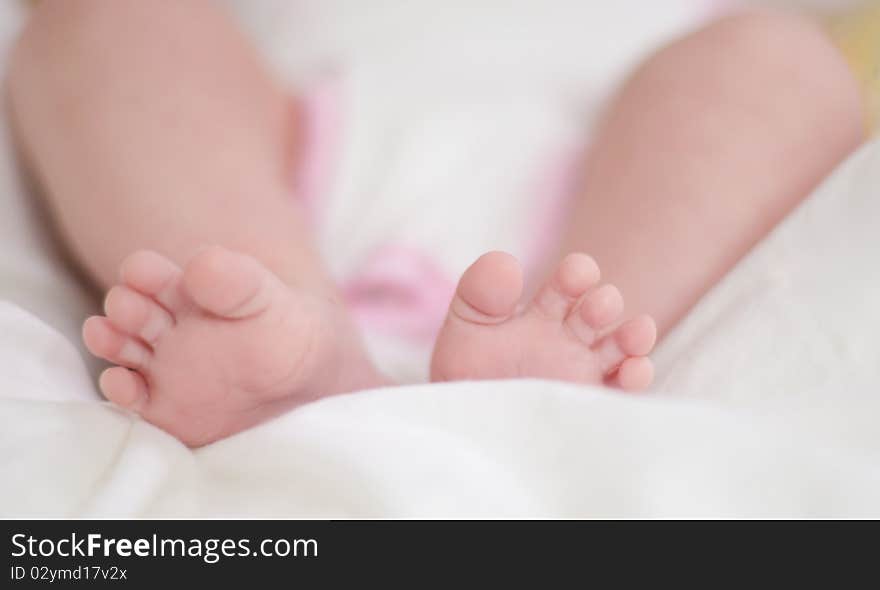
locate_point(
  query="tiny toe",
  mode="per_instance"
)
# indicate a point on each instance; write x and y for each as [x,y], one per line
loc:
[635,373]
[133,313]
[635,337]
[229,284]
[573,277]
[602,307]
[105,341]
[596,311]
[489,289]
[154,275]
[124,387]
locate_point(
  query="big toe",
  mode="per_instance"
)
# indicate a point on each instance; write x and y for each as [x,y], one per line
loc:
[229,284]
[489,289]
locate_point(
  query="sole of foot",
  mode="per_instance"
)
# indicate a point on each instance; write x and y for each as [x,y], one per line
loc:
[570,331]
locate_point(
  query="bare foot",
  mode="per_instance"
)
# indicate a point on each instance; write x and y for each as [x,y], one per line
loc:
[207,351]
[567,332]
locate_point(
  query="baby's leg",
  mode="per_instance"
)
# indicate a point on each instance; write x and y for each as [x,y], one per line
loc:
[708,146]
[153,125]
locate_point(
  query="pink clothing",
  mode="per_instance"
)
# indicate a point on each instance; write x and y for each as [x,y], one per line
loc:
[399,289]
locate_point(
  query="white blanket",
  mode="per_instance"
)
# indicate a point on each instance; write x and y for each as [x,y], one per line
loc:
[768,393]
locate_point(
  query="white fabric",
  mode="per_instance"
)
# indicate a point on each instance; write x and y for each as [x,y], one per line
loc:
[768,393]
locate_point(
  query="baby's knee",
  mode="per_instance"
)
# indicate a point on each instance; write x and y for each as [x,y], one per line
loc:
[766,62]
[772,39]
[790,54]
[52,30]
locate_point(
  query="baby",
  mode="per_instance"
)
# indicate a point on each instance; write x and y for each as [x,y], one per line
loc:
[164,149]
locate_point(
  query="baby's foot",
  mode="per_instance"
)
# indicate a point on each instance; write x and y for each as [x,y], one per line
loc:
[567,332]
[219,346]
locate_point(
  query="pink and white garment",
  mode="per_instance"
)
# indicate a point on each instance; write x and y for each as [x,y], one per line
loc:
[417,162]
[397,250]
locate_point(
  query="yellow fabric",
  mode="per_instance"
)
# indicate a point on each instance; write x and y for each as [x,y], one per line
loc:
[857,33]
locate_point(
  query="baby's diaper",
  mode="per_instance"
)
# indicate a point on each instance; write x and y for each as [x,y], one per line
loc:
[405,190]
[449,129]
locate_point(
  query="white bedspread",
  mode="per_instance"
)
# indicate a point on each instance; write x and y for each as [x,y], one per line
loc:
[767,402]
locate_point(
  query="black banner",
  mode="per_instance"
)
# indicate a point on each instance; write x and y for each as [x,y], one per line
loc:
[290,553]
[109,552]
